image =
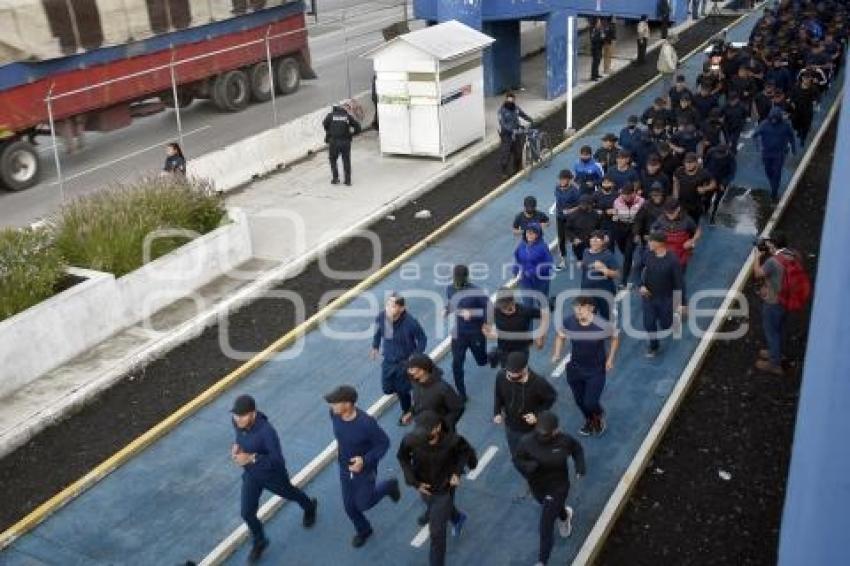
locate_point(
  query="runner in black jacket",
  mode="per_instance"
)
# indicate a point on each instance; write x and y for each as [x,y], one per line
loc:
[542,458]
[431,393]
[433,459]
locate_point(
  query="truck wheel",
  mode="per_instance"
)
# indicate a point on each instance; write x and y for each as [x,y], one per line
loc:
[231,92]
[19,166]
[184,98]
[258,76]
[287,76]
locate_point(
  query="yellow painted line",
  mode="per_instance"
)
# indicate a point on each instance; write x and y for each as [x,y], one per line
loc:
[165,426]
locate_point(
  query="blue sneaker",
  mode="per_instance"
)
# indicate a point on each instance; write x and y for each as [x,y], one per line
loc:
[457,526]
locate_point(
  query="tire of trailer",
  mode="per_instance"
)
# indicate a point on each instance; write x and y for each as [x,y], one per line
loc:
[19,165]
[258,78]
[184,98]
[287,75]
[231,91]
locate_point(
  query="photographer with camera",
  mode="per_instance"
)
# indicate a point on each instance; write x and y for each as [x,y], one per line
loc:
[784,287]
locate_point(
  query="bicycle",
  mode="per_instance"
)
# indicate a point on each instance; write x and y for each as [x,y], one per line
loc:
[536,149]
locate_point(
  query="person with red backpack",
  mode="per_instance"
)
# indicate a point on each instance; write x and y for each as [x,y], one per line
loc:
[785,287]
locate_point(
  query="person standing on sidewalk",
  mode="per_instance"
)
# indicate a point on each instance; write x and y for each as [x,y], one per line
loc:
[661,290]
[361,443]
[663,13]
[510,148]
[520,395]
[543,458]
[401,336]
[668,62]
[471,306]
[608,44]
[340,127]
[597,41]
[257,450]
[433,458]
[567,194]
[431,393]
[642,39]
[589,361]
[512,328]
[776,136]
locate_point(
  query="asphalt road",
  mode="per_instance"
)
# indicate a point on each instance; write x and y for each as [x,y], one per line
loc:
[344,30]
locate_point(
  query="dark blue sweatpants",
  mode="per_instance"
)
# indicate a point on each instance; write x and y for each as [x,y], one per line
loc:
[477,344]
[252,489]
[361,492]
[587,386]
[657,317]
[773,169]
[394,380]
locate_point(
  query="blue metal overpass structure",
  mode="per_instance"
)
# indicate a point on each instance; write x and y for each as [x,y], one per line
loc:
[816,518]
[501,20]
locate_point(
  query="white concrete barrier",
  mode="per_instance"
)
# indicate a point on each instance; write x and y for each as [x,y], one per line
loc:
[53,332]
[263,153]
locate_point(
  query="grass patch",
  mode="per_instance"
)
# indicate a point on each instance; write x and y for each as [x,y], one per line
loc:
[117,230]
[30,269]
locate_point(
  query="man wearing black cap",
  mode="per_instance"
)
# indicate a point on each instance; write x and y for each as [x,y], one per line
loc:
[606,155]
[529,215]
[691,185]
[650,210]
[603,202]
[401,336]
[361,443]
[519,396]
[735,114]
[257,450]
[804,96]
[589,361]
[472,307]
[661,289]
[682,235]
[433,458]
[567,194]
[543,458]
[431,393]
[658,111]
[513,327]
[677,91]
[721,164]
[652,173]
[580,224]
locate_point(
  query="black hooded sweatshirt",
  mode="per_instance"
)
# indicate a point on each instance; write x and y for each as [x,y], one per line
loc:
[438,396]
[516,399]
[434,464]
[543,462]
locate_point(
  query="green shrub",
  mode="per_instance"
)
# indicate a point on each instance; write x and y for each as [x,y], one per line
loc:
[30,268]
[106,231]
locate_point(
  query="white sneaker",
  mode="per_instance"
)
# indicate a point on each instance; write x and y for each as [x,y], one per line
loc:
[565,528]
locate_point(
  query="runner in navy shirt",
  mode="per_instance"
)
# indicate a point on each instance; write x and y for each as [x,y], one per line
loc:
[599,270]
[589,361]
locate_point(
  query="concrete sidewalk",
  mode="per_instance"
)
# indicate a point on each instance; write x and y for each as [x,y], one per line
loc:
[177,499]
[295,216]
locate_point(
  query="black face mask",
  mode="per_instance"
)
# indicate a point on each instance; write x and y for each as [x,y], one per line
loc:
[545,438]
[510,105]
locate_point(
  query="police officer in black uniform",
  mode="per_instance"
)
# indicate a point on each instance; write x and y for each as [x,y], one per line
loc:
[340,127]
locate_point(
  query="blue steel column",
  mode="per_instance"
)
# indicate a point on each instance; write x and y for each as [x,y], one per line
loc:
[556,53]
[816,520]
[466,12]
[503,59]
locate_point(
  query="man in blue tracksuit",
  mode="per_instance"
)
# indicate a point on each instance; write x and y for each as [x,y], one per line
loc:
[776,135]
[257,450]
[361,445]
[471,307]
[401,336]
[588,173]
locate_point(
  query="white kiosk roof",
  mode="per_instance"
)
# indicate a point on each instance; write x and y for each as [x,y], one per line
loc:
[445,41]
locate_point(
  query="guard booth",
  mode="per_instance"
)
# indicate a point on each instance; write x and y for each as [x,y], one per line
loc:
[430,89]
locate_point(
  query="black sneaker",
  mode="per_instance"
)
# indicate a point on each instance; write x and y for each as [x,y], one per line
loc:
[334,181]
[422,519]
[360,539]
[310,514]
[257,550]
[586,429]
[394,492]
[348,183]
[599,426]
